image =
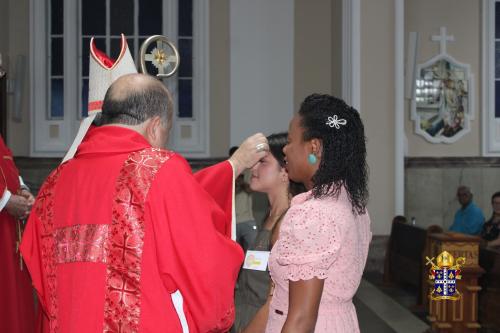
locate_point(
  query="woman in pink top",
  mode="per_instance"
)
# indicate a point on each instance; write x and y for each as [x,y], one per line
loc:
[317,263]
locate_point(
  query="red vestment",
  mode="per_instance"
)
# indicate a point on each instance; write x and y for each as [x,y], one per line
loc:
[17,313]
[119,228]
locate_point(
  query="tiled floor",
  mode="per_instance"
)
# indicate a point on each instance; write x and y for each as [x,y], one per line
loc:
[379,313]
[369,321]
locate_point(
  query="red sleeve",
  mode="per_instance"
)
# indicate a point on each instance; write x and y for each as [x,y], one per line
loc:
[31,251]
[34,244]
[218,181]
[193,256]
[9,178]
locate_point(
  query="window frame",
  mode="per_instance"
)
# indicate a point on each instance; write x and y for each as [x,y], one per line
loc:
[42,141]
[490,124]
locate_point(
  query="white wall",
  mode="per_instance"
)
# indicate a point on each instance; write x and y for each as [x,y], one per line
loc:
[377,108]
[313,49]
[4,28]
[219,77]
[261,56]
[18,132]
[462,18]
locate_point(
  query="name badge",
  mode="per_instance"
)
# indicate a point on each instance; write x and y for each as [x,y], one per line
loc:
[256,260]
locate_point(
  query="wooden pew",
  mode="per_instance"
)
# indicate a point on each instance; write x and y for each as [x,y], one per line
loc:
[405,258]
[489,297]
[460,315]
[403,265]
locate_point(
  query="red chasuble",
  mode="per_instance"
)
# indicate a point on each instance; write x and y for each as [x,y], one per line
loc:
[119,228]
[16,294]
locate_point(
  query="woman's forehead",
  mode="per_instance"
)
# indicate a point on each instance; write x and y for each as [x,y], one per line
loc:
[270,158]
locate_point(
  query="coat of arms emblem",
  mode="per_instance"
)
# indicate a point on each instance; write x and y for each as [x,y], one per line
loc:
[445,275]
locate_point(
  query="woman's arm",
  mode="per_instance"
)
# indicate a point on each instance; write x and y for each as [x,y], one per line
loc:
[259,322]
[304,299]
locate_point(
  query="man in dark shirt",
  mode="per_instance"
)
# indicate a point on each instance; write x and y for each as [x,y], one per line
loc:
[491,229]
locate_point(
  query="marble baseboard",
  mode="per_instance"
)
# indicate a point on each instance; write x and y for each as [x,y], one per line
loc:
[452,162]
[431,185]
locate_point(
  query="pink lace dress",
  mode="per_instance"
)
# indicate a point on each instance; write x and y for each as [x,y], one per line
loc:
[320,238]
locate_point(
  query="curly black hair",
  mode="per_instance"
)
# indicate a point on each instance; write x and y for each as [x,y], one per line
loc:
[276,144]
[343,161]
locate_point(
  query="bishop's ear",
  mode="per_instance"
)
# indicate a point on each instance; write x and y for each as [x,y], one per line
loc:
[155,132]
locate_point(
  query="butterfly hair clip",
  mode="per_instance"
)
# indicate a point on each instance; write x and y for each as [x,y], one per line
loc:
[336,122]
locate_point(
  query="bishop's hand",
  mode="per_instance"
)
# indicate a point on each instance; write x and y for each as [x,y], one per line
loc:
[251,151]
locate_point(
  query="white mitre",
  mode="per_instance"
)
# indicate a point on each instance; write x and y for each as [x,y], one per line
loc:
[102,73]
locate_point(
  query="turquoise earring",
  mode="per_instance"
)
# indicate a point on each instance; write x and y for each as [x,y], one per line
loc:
[312,159]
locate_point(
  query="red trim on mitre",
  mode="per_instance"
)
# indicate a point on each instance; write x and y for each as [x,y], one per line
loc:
[101,57]
[95,106]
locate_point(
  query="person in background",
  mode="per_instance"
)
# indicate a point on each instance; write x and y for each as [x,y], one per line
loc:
[246,228]
[491,229]
[318,260]
[17,311]
[269,176]
[469,218]
[399,219]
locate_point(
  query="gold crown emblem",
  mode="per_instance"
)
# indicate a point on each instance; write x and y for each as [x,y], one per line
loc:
[447,271]
[445,259]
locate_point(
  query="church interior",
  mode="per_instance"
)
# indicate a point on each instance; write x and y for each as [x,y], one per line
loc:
[423,74]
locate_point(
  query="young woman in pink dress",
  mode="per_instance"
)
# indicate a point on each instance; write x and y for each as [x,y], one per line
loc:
[318,260]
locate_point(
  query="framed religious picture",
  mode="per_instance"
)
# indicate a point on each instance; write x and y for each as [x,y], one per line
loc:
[442,107]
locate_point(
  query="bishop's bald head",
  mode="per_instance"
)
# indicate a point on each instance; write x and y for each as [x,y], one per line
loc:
[142,103]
